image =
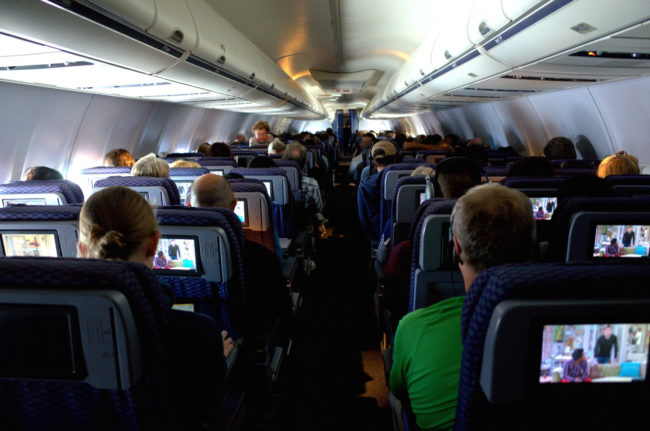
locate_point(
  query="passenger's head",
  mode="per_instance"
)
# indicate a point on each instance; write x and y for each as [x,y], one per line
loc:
[531,167]
[262,162]
[118,223]
[150,166]
[476,152]
[577,354]
[212,191]
[276,147]
[184,164]
[204,148]
[240,138]
[620,163]
[261,130]
[614,241]
[492,225]
[560,148]
[383,154]
[118,157]
[456,175]
[38,173]
[295,151]
[366,142]
[220,149]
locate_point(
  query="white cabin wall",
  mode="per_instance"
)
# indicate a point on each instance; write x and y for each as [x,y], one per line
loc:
[600,119]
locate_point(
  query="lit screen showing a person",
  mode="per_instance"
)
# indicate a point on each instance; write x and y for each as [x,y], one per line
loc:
[543,208]
[240,210]
[594,353]
[621,241]
[176,254]
[30,244]
[24,201]
[183,189]
[217,172]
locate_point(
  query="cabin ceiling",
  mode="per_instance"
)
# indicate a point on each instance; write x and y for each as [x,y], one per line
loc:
[341,52]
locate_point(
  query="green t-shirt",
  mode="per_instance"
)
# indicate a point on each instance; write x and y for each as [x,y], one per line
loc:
[426,362]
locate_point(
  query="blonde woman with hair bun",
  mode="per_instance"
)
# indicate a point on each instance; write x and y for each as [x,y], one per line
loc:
[620,163]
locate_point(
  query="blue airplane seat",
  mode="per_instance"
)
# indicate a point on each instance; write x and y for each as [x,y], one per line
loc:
[514,318]
[183,178]
[96,357]
[188,155]
[158,191]
[280,195]
[217,285]
[48,230]
[244,157]
[434,274]
[407,195]
[42,192]
[91,175]
[630,185]
[567,208]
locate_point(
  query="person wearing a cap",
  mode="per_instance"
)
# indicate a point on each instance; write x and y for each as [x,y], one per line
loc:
[383,153]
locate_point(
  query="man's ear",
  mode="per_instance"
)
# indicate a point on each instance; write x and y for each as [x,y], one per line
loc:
[233,204]
[457,249]
[82,249]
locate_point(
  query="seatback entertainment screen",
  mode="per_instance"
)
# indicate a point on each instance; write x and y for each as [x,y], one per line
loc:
[543,207]
[177,255]
[35,244]
[621,241]
[594,353]
[241,210]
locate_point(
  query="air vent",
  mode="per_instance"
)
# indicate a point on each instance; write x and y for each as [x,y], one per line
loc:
[448,54]
[542,78]
[617,55]
[583,28]
[177,36]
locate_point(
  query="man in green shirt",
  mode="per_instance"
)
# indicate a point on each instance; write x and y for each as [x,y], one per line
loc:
[492,225]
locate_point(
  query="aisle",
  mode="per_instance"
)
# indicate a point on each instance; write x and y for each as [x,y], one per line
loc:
[324,384]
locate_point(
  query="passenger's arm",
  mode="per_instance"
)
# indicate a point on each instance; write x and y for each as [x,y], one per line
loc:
[401,359]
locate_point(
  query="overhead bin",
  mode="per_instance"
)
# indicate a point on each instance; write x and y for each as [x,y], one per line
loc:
[141,13]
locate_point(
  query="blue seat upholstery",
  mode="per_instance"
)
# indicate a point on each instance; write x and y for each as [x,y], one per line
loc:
[259,227]
[547,185]
[404,205]
[188,156]
[18,222]
[574,163]
[282,197]
[294,173]
[502,327]
[434,275]
[244,157]
[91,175]
[158,191]
[219,288]
[115,313]
[46,192]
[626,185]
[389,177]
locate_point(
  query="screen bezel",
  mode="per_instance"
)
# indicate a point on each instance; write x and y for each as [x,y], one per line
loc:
[184,273]
[57,242]
[592,228]
[219,172]
[244,223]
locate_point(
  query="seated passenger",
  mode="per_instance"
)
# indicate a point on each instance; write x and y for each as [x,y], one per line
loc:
[160,261]
[150,166]
[576,369]
[184,164]
[383,153]
[266,293]
[240,139]
[620,163]
[310,190]
[276,147]
[261,137]
[427,351]
[560,148]
[118,157]
[39,173]
[220,149]
[118,223]
[204,148]
[429,143]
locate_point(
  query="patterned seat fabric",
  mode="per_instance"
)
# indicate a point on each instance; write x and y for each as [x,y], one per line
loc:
[70,191]
[106,170]
[27,404]
[40,212]
[187,172]
[224,300]
[532,182]
[582,281]
[166,183]
[217,161]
